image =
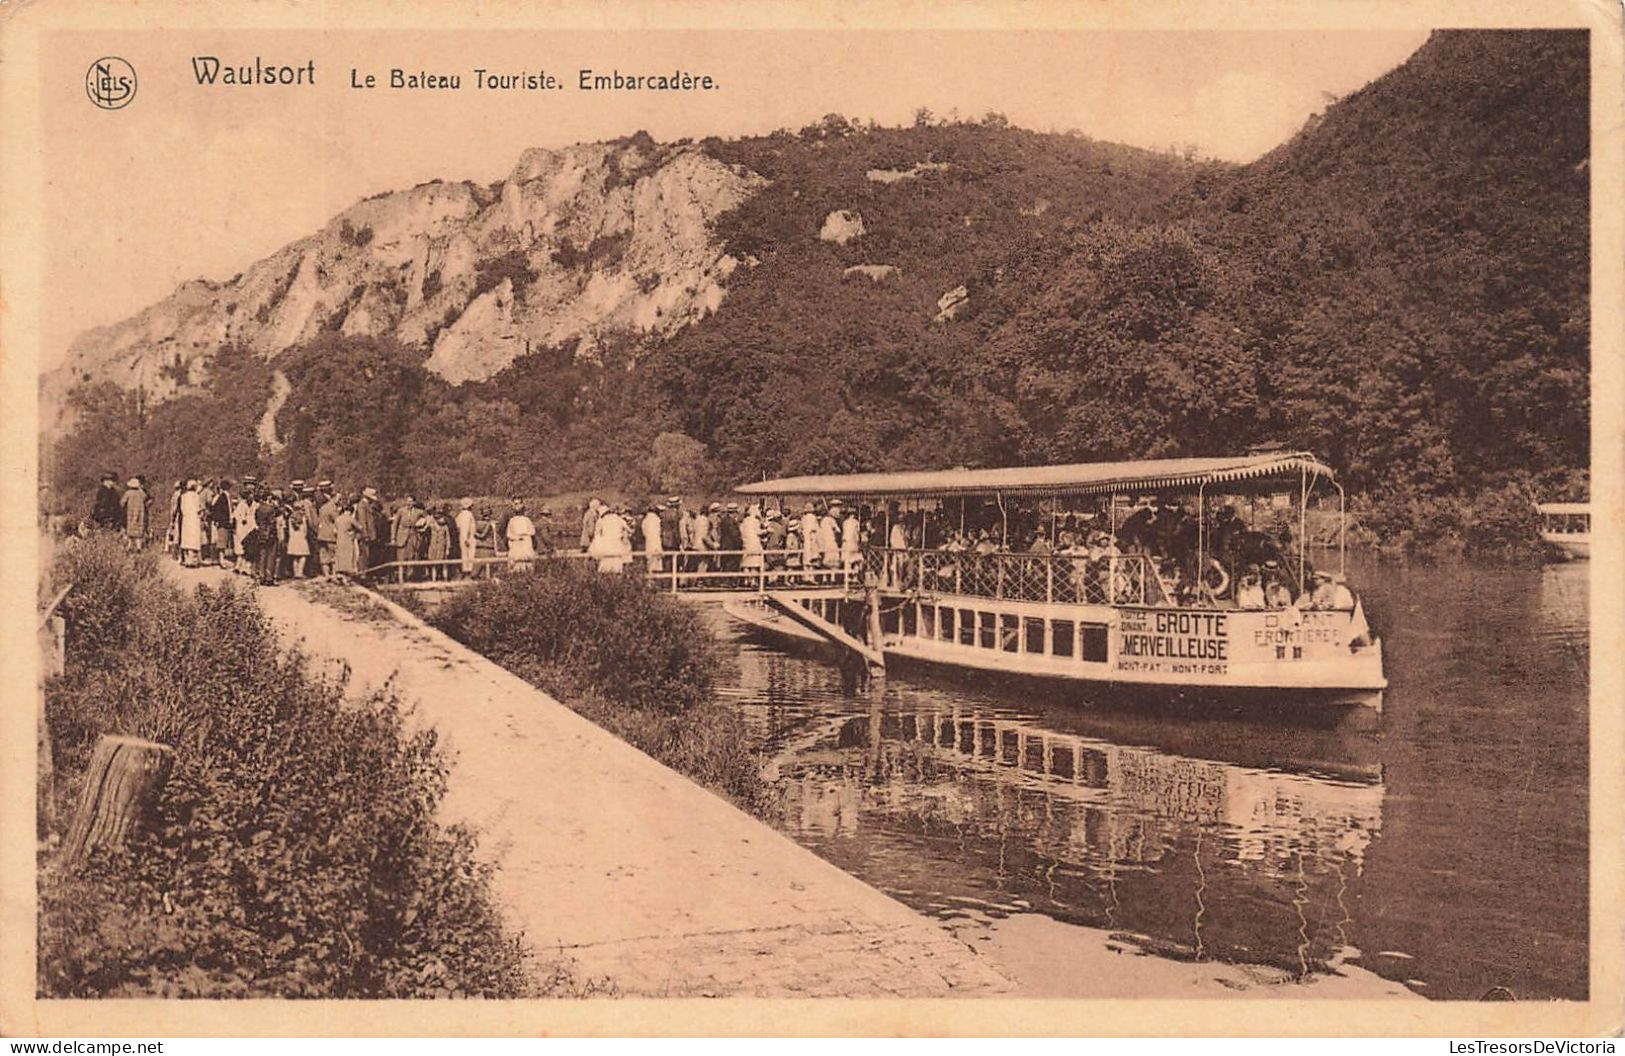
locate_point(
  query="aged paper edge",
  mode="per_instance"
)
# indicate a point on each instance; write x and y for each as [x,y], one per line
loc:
[23,29]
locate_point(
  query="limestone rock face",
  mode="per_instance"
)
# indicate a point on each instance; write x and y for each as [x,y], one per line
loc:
[575,244]
[842,226]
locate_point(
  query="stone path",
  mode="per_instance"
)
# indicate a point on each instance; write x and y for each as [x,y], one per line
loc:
[609,858]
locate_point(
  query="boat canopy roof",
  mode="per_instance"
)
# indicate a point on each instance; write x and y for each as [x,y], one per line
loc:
[1083,478]
[1563,507]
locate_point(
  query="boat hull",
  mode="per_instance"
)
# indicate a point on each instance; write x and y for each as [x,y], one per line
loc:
[1332,674]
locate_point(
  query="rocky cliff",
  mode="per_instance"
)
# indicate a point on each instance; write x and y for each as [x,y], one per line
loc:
[575,243]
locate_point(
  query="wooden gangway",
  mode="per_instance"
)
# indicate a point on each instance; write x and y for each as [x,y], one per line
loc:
[709,575]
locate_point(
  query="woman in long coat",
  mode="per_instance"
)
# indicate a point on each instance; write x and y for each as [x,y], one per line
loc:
[346,543]
[135,516]
[191,528]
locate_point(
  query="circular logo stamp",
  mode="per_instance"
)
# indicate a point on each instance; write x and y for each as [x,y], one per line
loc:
[110,83]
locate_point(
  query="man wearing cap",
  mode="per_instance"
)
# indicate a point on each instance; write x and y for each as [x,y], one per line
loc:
[107,509]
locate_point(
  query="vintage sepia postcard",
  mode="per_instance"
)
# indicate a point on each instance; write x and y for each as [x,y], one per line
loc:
[998,519]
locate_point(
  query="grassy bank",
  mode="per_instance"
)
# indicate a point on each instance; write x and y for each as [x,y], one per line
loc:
[294,851]
[634,661]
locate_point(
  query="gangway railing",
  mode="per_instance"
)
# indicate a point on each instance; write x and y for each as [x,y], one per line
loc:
[673,571]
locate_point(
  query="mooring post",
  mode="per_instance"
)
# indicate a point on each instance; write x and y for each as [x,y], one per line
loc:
[871,601]
[121,785]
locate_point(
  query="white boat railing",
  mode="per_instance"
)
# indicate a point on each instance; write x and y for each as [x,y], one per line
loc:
[1123,579]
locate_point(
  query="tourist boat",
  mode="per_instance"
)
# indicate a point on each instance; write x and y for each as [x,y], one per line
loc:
[1566,526]
[1122,617]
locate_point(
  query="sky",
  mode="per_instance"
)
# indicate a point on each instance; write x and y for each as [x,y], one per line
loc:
[189,182]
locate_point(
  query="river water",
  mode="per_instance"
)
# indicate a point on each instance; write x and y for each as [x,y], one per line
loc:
[1442,846]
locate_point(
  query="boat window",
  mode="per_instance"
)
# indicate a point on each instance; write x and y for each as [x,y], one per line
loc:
[947,624]
[1063,631]
[928,621]
[1035,634]
[1009,633]
[889,619]
[967,627]
[989,628]
[1094,641]
[911,620]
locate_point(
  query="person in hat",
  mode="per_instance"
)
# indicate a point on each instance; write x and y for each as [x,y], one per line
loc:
[327,528]
[403,530]
[654,547]
[670,524]
[190,533]
[809,537]
[270,534]
[521,538]
[346,538]
[220,524]
[133,505]
[107,508]
[468,540]
[296,535]
[438,534]
[242,526]
[729,538]
[750,540]
[589,522]
[1277,593]
[699,531]
[1250,589]
[773,539]
[852,540]
[829,536]
[1330,593]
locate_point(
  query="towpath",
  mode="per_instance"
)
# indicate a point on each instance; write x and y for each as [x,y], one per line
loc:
[611,859]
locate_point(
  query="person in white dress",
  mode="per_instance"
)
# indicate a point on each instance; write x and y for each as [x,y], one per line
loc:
[611,543]
[191,527]
[521,539]
[809,538]
[652,549]
[467,535]
[851,540]
[750,540]
[829,536]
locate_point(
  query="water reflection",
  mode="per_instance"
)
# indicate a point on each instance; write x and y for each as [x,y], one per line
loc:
[960,803]
[1445,848]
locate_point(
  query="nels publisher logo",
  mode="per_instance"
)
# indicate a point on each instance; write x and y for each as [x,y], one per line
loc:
[110,83]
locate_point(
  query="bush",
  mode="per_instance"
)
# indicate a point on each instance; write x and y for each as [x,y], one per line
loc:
[1503,522]
[294,851]
[634,661]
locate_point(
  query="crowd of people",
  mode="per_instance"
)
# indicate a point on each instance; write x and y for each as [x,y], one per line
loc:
[1160,554]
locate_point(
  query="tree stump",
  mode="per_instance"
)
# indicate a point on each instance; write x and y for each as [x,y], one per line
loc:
[122,783]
